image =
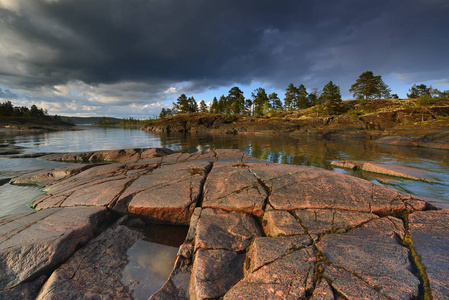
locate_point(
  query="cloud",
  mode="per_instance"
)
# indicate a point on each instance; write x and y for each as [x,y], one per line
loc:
[7,94]
[103,52]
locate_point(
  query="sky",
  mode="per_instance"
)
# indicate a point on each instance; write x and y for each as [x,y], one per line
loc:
[131,58]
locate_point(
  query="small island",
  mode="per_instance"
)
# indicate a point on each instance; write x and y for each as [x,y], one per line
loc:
[22,119]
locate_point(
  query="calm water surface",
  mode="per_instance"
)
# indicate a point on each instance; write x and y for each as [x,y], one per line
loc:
[276,148]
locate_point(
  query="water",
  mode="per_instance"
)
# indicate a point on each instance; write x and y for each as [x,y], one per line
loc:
[276,148]
[151,260]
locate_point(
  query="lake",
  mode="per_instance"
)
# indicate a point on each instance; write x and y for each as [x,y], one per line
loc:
[276,148]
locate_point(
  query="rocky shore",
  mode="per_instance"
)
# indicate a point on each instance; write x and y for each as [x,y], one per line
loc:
[256,230]
[394,122]
[14,125]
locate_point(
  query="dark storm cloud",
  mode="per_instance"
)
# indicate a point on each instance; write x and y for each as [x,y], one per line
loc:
[217,43]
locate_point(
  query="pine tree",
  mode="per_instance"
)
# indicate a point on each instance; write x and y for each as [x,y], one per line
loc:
[314,97]
[274,101]
[301,99]
[290,96]
[259,99]
[331,97]
[369,86]
[203,106]
[419,90]
[214,106]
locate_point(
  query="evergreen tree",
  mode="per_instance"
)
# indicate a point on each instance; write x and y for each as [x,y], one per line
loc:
[369,86]
[238,105]
[248,106]
[418,91]
[6,109]
[214,106]
[290,96]
[440,94]
[314,97]
[259,99]
[275,102]
[185,105]
[203,106]
[192,106]
[235,101]
[301,99]
[331,97]
[221,107]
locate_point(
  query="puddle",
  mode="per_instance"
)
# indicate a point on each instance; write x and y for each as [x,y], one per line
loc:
[151,260]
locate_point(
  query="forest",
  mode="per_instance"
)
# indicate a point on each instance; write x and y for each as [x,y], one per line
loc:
[367,86]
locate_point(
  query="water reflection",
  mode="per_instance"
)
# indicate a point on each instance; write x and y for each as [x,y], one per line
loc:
[149,266]
[88,138]
[151,260]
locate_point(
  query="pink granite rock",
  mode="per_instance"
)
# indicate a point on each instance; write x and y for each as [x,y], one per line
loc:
[225,230]
[214,272]
[374,254]
[96,270]
[34,243]
[265,250]
[429,232]
[290,277]
[234,188]
[280,223]
[320,221]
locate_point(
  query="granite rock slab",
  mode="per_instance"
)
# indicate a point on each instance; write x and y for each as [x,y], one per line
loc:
[429,232]
[96,270]
[32,244]
[256,230]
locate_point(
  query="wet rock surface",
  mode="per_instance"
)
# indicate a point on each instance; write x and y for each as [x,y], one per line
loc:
[385,169]
[256,230]
[437,140]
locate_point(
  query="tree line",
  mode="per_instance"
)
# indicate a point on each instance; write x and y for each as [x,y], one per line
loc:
[367,86]
[7,109]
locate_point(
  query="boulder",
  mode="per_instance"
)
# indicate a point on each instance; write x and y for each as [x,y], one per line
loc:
[257,230]
[437,140]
